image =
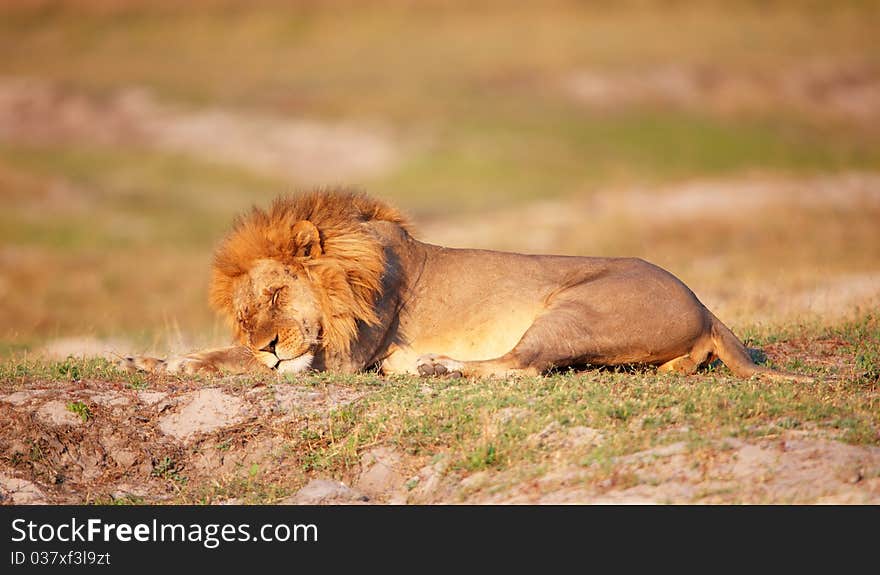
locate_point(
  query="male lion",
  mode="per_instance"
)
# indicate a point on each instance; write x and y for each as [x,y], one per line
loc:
[333,280]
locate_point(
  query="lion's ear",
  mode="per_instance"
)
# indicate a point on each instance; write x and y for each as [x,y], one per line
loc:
[306,240]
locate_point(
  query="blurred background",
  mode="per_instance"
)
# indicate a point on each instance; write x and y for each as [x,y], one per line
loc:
[737,144]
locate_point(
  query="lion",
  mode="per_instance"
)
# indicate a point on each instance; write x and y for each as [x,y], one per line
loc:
[334,280]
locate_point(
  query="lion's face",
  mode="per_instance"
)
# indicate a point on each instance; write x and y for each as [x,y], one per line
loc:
[277,315]
[302,278]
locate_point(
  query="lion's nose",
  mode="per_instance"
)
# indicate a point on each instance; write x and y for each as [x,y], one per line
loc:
[270,348]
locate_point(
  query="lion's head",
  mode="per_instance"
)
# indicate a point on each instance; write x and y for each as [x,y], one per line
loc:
[302,275]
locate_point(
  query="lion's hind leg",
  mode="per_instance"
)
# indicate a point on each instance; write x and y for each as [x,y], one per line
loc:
[572,332]
[689,363]
[684,365]
[560,336]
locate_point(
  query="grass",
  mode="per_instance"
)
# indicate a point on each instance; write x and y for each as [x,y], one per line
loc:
[121,500]
[516,429]
[170,211]
[469,422]
[863,340]
[242,490]
[19,371]
[640,409]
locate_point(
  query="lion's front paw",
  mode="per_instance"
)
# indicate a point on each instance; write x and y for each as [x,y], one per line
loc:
[433,364]
[135,363]
[180,365]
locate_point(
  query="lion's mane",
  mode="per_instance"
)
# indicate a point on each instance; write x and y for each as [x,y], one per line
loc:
[346,276]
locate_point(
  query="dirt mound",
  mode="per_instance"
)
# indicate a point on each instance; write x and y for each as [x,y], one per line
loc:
[97,441]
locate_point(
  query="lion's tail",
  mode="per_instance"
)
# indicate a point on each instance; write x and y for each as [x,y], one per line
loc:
[736,357]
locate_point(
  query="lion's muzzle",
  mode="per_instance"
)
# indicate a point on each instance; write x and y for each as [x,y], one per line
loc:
[294,365]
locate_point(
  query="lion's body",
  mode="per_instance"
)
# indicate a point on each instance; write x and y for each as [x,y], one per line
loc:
[334,281]
[477,305]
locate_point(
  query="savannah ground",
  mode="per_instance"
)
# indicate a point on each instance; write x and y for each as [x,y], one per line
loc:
[735,144]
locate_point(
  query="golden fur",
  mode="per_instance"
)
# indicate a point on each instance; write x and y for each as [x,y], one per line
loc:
[348,275]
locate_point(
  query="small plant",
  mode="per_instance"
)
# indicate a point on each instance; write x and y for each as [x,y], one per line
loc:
[795,364]
[789,423]
[621,411]
[36,453]
[482,458]
[868,362]
[137,382]
[80,409]
[69,369]
[167,468]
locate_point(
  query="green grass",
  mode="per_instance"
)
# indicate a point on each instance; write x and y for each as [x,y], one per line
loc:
[863,339]
[132,197]
[18,372]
